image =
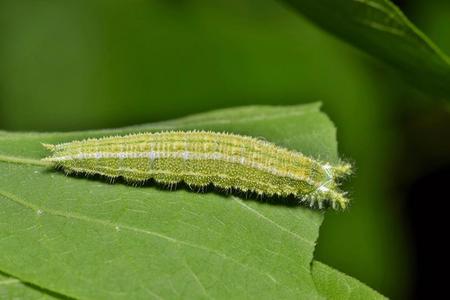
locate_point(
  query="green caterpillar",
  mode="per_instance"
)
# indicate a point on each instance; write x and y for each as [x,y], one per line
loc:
[200,158]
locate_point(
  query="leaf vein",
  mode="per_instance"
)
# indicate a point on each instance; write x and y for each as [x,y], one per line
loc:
[282,228]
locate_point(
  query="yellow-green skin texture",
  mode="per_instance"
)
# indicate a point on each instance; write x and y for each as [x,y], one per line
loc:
[199,158]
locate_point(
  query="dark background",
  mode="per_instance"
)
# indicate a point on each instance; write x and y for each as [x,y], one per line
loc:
[74,65]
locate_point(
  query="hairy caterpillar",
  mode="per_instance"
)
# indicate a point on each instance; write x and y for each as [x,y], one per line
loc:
[200,158]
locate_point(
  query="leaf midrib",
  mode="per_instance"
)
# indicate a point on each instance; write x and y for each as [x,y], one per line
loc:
[23,160]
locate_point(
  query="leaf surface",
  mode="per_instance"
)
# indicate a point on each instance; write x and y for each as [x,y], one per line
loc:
[330,283]
[86,238]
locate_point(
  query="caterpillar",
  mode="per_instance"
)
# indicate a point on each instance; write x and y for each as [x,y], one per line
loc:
[199,158]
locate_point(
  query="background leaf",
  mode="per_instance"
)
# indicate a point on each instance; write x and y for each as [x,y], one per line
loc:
[88,239]
[381,29]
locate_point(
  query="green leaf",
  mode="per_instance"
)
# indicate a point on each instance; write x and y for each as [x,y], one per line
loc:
[381,29]
[333,284]
[329,282]
[86,238]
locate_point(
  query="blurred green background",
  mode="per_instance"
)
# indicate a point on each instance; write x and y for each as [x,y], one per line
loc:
[73,65]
